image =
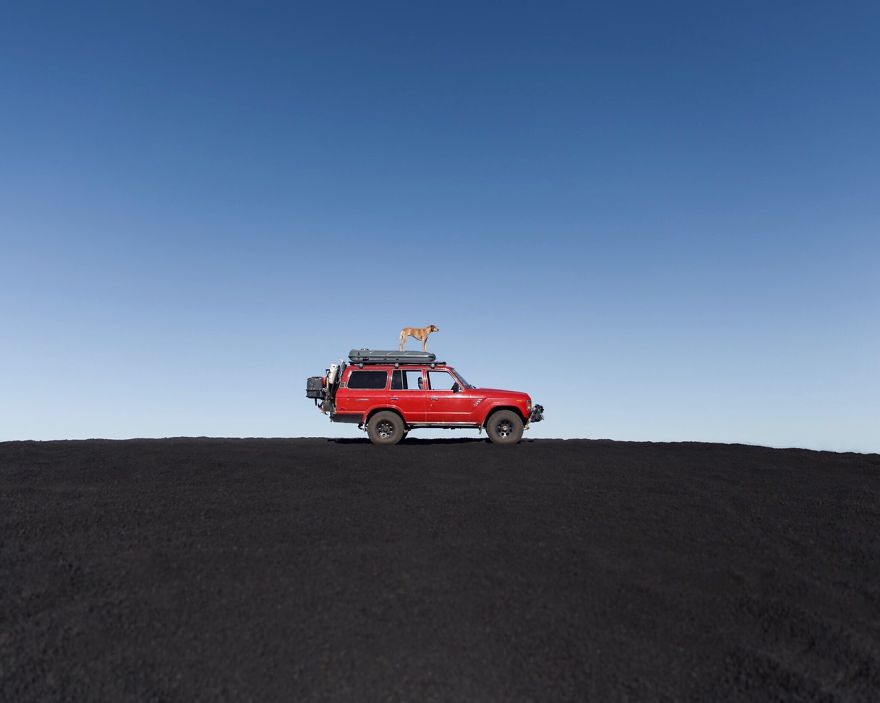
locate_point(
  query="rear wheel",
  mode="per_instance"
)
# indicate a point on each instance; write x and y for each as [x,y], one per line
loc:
[504,427]
[385,427]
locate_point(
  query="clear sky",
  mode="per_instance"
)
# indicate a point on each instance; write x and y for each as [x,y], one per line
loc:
[660,219]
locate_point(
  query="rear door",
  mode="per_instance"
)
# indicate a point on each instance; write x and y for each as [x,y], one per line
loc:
[447,405]
[409,394]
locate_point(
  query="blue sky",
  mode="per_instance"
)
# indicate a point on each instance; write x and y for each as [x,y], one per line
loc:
[660,219]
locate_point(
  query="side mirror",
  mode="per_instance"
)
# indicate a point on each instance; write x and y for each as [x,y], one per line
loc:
[456,388]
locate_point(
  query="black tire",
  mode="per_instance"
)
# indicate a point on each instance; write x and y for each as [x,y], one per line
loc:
[504,427]
[385,427]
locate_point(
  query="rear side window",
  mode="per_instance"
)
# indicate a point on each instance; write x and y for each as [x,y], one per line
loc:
[406,380]
[373,380]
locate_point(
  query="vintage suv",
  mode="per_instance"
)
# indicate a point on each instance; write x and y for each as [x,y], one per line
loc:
[389,393]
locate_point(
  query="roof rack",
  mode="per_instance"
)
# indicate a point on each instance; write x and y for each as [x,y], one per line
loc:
[382,356]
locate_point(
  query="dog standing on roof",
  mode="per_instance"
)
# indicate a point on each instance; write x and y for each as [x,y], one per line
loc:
[420,333]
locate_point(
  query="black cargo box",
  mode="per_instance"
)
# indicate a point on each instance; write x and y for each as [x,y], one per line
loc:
[383,356]
[315,387]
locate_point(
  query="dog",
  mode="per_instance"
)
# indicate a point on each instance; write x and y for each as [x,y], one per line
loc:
[420,333]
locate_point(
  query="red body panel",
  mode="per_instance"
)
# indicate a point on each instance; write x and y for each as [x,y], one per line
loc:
[466,407]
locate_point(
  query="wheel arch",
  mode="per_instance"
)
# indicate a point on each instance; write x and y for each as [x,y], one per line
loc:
[495,408]
[389,409]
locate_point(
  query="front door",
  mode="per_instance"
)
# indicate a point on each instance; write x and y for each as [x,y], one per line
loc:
[448,406]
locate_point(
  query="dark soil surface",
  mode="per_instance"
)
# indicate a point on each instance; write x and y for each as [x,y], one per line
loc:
[202,569]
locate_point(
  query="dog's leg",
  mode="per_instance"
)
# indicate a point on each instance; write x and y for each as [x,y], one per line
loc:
[402,339]
[425,343]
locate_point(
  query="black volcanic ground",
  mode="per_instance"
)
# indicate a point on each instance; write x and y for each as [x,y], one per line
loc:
[197,569]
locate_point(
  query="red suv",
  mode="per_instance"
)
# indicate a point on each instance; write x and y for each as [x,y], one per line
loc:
[389,393]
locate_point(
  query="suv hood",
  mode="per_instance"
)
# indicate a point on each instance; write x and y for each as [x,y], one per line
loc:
[501,391]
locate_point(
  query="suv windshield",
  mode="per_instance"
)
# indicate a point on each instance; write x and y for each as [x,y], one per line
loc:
[460,378]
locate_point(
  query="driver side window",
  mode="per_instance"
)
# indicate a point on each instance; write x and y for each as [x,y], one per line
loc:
[441,381]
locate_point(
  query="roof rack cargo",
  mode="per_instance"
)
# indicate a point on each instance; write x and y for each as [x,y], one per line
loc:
[381,356]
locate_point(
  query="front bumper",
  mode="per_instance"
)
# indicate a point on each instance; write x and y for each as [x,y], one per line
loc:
[537,414]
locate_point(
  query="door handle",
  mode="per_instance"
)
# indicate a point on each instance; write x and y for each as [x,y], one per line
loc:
[394,397]
[434,397]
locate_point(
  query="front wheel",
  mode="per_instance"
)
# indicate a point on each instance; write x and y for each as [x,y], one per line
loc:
[504,427]
[385,427]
